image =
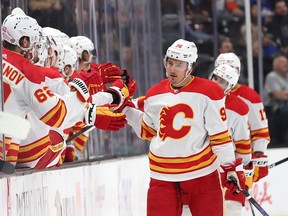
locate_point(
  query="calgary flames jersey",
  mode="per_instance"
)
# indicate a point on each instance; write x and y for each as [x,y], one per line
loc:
[25,90]
[237,122]
[187,128]
[37,150]
[257,119]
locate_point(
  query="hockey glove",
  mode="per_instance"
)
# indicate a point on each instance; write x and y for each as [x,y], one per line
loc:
[93,81]
[233,177]
[109,72]
[261,166]
[81,89]
[69,153]
[249,173]
[130,82]
[120,94]
[103,118]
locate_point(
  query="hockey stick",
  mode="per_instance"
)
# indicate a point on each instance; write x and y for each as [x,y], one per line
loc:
[253,202]
[252,209]
[278,163]
[74,136]
[249,197]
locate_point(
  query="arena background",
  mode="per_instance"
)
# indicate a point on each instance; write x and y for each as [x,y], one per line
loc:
[133,34]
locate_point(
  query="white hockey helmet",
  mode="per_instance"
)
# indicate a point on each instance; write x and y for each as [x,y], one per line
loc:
[81,44]
[230,59]
[55,41]
[18,25]
[227,73]
[69,59]
[182,50]
[57,33]
[18,11]
[65,38]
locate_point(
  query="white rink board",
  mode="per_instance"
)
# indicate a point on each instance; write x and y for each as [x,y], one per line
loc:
[272,192]
[115,188]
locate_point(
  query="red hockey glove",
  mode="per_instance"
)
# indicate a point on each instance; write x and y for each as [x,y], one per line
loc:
[92,80]
[69,153]
[109,72]
[132,87]
[103,118]
[261,166]
[81,89]
[233,177]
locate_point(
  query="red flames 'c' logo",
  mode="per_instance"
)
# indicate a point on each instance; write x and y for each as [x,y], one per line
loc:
[179,45]
[168,121]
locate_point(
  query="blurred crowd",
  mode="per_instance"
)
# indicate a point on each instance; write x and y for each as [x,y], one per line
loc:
[219,27]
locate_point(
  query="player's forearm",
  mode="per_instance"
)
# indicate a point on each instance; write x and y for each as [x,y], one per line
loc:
[225,153]
[102,98]
[134,118]
[260,145]
[75,109]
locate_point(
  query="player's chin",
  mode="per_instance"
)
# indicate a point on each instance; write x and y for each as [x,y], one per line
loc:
[173,80]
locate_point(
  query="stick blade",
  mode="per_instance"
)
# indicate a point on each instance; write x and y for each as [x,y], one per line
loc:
[13,125]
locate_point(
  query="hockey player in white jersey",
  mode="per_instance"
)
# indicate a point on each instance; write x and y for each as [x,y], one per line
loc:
[26,92]
[44,145]
[257,119]
[237,121]
[32,157]
[184,118]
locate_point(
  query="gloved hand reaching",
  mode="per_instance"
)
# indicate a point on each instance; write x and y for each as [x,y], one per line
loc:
[130,82]
[109,72]
[260,162]
[86,84]
[233,177]
[103,118]
[123,91]
[120,94]
[92,80]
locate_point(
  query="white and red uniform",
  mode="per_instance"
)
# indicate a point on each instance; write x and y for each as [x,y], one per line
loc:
[188,132]
[257,119]
[237,120]
[25,90]
[43,144]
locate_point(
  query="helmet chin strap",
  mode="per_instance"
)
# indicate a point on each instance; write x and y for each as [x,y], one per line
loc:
[184,78]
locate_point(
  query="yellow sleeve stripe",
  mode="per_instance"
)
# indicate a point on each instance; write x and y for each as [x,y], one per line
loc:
[220,139]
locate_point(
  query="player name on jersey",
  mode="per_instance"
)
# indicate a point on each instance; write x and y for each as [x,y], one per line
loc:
[13,74]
